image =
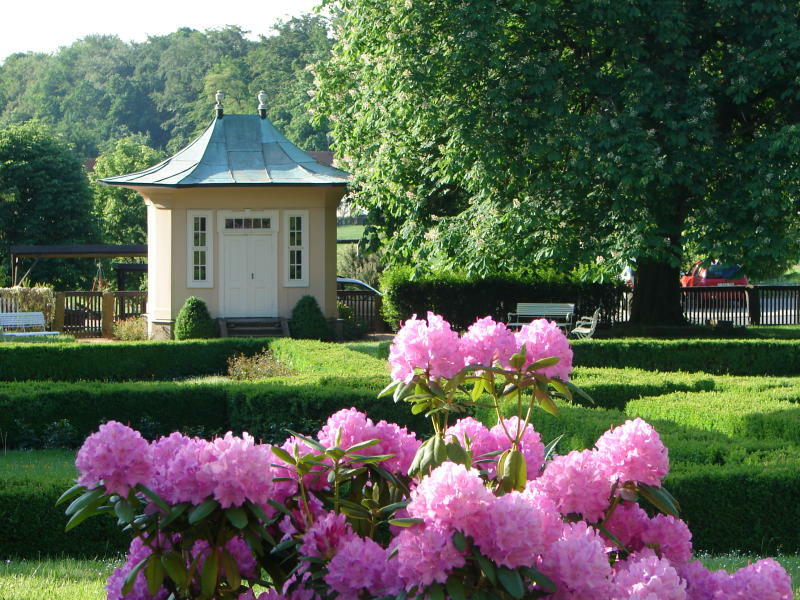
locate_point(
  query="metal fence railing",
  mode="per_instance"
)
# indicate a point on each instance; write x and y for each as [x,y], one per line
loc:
[366,307]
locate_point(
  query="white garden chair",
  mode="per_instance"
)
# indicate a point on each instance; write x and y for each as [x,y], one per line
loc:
[584,328]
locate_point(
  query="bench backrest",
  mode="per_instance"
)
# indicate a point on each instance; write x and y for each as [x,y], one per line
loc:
[20,320]
[543,308]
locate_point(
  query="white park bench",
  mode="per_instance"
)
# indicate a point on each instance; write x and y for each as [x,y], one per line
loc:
[23,324]
[560,313]
[585,327]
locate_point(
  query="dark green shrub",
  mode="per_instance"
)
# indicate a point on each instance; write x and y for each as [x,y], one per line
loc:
[735,357]
[33,526]
[121,361]
[461,300]
[193,321]
[308,322]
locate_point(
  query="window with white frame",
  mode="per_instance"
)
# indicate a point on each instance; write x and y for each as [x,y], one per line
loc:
[199,247]
[296,228]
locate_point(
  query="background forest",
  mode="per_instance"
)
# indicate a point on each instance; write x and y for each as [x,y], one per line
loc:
[101,89]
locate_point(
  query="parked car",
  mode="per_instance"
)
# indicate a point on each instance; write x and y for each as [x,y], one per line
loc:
[715,275]
[354,285]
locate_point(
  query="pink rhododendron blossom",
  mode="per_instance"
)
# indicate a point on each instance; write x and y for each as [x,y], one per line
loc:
[530,445]
[353,427]
[268,595]
[137,552]
[702,584]
[176,462]
[326,535]
[644,576]
[362,565]
[237,469]
[452,497]
[765,580]
[544,339]
[426,554]
[518,530]
[633,452]
[578,565]
[628,523]
[432,347]
[487,343]
[481,441]
[115,456]
[670,537]
[576,484]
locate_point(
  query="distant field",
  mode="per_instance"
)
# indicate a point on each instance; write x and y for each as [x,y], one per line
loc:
[349,232]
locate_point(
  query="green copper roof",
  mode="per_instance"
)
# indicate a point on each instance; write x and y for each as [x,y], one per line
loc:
[236,150]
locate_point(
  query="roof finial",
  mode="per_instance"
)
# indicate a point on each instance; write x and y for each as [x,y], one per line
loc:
[262,106]
[219,96]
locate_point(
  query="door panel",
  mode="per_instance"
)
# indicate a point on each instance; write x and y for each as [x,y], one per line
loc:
[249,275]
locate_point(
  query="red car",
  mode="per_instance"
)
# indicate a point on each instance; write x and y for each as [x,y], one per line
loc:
[716,274]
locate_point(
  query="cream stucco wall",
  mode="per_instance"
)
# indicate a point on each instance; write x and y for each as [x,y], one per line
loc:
[167,210]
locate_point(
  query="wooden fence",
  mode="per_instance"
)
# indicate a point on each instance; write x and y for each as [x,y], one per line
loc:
[92,314]
[366,308]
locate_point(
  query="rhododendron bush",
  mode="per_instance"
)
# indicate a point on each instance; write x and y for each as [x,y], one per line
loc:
[367,510]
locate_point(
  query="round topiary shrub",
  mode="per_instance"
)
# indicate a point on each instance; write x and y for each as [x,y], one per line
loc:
[193,321]
[308,322]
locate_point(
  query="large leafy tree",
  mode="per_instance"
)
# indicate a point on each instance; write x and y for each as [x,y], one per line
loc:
[44,199]
[501,135]
[121,213]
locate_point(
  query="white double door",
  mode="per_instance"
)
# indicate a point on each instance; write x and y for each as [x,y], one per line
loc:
[249,265]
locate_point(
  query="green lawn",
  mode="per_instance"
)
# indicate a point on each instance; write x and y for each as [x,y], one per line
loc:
[349,232]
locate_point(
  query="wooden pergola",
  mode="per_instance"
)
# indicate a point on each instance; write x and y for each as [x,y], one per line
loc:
[71,251]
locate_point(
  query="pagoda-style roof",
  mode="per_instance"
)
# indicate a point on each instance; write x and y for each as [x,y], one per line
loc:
[241,150]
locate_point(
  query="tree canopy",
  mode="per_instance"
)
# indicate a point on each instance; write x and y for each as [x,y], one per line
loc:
[500,136]
[100,89]
[120,212]
[44,199]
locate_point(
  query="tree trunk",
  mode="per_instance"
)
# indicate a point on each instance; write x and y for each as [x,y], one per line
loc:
[656,297]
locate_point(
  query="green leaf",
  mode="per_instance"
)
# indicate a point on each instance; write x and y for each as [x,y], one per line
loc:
[237,516]
[487,568]
[84,500]
[611,537]
[543,362]
[130,578]
[89,510]
[209,575]
[73,491]
[539,578]
[546,402]
[159,501]
[660,498]
[455,588]
[279,507]
[124,511]
[511,582]
[436,592]
[551,446]
[154,574]
[283,455]
[362,445]
[231,569]
[201,511]
[576,390]
[460,541]
[257,511]
[406,522]
[477,389]
[175,567]
[388,389]
[390,508]
[174,512]
[457,454]
[561,388]
[420,407]
[309,441]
